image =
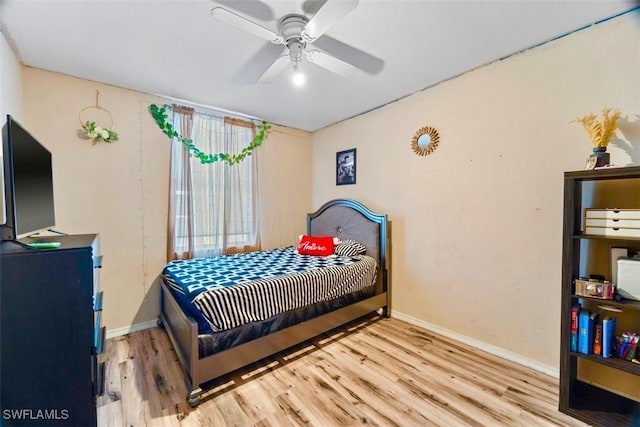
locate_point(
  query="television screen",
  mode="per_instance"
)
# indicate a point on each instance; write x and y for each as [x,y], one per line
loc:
[28,183]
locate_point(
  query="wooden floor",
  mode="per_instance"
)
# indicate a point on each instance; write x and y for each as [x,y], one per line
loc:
[377,372]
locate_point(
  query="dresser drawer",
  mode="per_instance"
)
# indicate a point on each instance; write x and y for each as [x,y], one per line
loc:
[612,213]
[97,261]
[612,223]
[99,331]
[100,336]
[97,265]
[101,380]
[98,371]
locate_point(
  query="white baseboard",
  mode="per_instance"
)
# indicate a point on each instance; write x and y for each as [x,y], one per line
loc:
[130,329]
[497,351]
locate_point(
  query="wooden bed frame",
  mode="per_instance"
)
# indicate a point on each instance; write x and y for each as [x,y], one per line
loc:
[343,218]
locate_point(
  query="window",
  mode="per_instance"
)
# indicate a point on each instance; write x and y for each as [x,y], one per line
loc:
[213,208]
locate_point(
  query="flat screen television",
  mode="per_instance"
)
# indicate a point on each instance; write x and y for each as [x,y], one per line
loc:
[28,183]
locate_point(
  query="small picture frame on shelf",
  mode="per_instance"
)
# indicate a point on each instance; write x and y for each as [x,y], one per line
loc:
[346,167]
[590,163]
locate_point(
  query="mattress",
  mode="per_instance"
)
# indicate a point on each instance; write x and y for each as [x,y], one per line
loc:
[230,291]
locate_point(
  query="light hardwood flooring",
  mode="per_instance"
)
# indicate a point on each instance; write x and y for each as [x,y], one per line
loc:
[376,371]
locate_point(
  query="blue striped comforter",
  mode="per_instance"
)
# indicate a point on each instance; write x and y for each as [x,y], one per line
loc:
[233,290]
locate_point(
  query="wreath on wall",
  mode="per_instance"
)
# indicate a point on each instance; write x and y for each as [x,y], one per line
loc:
[98,133]
[91,130]
[161,117]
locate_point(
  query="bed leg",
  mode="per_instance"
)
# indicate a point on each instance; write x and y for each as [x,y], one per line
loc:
[194,397]
[383,311]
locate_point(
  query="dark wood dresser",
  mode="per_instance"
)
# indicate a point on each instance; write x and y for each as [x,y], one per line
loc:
[50,332]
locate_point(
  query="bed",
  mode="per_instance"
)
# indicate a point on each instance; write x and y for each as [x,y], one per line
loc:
[210,347]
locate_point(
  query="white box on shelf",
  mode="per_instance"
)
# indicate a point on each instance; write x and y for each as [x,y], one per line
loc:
[613,232]
[628,281]
[613,223]
[612,213]
[616,253]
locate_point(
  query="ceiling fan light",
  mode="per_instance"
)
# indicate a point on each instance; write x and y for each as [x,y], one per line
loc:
[298,77]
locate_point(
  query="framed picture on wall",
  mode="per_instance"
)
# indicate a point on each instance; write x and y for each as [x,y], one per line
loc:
[346,167]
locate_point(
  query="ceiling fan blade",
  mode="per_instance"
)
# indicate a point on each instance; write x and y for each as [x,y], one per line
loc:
[327,16]
[358,58]
[254,8]
[242,23]
[255,66]
[329,62]
[275,69]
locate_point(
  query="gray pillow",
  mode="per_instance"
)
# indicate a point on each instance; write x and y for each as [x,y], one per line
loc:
[350,247]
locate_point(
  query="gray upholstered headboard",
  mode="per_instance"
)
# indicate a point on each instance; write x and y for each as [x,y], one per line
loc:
[348,219]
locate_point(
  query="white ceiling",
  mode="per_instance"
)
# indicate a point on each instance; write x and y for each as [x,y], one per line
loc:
[175,48]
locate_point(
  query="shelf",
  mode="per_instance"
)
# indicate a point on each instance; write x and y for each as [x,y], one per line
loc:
[612,173]
[624,305]
[613,362]
[607,238]
[599,407]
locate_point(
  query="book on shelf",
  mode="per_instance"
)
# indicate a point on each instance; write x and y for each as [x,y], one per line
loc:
[595,333]
[633,353]
[624,345]
[628,345]
[608,335]
[583,321]
[593,321]
[575,311]
[586,326]
[597,339]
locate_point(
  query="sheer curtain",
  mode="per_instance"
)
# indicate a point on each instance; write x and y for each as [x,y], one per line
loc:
[213,207]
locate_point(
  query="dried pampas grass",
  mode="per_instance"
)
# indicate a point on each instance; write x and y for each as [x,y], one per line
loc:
[601,132]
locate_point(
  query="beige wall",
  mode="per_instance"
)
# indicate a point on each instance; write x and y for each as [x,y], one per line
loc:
[10,99]
[285,186]
[10,82]
[477,225]
[120,190]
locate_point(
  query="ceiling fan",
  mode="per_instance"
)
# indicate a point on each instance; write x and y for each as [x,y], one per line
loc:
[297,33]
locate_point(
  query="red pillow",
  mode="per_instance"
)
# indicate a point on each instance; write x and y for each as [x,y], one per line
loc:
[316,245]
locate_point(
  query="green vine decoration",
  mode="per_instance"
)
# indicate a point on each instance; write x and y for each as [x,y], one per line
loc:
[160,115]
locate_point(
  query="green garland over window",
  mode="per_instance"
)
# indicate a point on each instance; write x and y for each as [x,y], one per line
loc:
[160,115]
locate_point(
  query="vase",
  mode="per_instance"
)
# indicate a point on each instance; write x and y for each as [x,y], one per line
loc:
[601,155]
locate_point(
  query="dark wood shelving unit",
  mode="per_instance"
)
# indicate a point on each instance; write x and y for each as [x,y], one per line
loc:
[598,406]
[614,362]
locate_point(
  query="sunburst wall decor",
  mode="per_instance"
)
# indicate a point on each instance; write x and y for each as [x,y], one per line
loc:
[425,141]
